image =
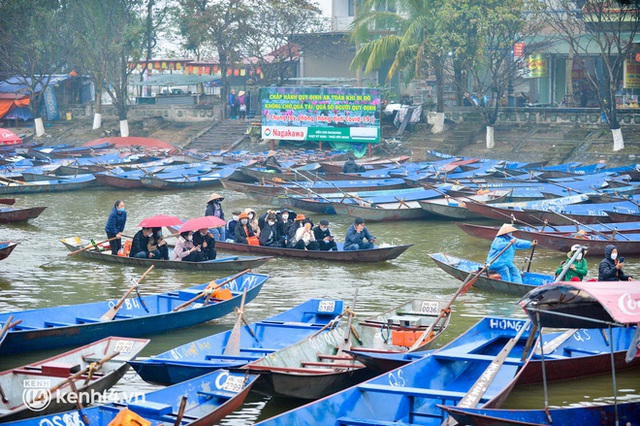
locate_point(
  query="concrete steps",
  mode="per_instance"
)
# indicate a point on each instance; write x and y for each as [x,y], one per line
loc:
[223,134]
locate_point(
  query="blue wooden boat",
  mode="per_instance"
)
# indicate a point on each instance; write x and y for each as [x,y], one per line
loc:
[6,247]
[74,325]
[54,185]
[460,268]
[628,414]
[207,400]
[95,367]
[208,354]
[411,394]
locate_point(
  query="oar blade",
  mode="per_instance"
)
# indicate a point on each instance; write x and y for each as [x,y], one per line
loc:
[233,345]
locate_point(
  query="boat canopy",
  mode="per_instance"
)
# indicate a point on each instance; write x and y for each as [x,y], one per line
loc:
[577,304]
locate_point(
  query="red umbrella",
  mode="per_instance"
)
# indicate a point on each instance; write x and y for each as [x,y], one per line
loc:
[7,137]
[202,222]
[159,221]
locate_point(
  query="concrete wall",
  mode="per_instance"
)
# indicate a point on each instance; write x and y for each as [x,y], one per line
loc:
[171,113]
[581,116]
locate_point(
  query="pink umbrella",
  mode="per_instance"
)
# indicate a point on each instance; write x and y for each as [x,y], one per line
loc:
[159,221]
[202,222]
[7,137]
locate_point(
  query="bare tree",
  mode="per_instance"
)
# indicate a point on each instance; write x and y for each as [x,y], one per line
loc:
[34,45]
[602,29]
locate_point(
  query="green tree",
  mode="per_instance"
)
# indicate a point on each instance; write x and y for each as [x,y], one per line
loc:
[604,30]
[218,24]
[35,45]
[404,33]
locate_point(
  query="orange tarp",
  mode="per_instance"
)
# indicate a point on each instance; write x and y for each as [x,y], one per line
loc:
[7,103]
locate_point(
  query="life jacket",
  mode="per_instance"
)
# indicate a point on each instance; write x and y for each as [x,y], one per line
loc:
[127,417]
[126,248]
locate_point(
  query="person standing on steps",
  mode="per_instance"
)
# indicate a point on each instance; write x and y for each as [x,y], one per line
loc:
[233,105]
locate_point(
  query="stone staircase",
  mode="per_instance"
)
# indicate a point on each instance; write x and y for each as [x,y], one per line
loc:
[464,133]
[221,135]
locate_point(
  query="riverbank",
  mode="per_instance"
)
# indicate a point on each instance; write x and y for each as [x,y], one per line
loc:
[518,141]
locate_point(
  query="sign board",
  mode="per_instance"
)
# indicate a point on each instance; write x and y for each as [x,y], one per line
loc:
[336,114]
[631,75]
[518,49]
[537,66]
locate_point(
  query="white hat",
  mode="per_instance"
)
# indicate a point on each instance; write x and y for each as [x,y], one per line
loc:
[505,229]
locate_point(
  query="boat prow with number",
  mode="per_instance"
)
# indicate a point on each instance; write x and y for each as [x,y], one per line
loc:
[74,325]
[322,364]
[221,263]
[411,394]
[460,268]
[202,401]
[378,254]
[256,340]
[93,368]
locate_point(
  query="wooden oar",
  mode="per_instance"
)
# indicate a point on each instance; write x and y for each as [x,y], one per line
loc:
[578,223]
[92,245]
[79,406]
[180,415]
[533,250]
[475,393]
[614,231]
[552,345]
[464,287]
[8,326]
[111,313]
[209,290]
[233,344]
[345,345]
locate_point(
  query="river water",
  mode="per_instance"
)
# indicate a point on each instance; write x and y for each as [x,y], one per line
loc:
[39,274]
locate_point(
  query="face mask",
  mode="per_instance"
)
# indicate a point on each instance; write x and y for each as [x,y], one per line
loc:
[189,238]
[271,223]
[323,228]
[579,257]
[235,218]
[159,234]
[285,217]
[244,221]
[614,256]
[120,209]
[203,233]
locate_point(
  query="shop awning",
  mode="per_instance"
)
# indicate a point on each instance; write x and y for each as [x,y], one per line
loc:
[177,80]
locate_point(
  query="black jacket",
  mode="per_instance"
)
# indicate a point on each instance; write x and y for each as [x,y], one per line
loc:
[139,244]
[607,270]
[241,233]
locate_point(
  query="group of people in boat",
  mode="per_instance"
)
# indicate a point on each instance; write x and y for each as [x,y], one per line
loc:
[504,246]
[283,228]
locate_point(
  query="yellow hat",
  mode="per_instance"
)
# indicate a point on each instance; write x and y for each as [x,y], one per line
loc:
[505,229]
[215,196]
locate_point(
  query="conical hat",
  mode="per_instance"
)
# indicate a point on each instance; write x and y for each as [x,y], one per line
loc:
[215,196]
[505,229]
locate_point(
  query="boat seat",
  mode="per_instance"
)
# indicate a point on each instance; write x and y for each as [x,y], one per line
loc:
[474,357]
[571,350]
[24,327]
[217,393]
[150,408]
[56,324]
[188,294]
[258,350]
[330,365]
[223,357]
[444,395]
[81,320]
[59,369]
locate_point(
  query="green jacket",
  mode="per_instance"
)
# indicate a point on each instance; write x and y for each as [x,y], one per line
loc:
[581,270]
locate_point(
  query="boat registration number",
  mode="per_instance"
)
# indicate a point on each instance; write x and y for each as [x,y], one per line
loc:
[327,306]
[233,384]
[124,346]
[430,308]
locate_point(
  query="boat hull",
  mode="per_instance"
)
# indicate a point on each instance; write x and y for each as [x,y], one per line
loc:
[371,255]
[6,249]
[20,215]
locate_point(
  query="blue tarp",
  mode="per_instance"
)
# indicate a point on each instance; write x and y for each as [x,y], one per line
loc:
[15,84]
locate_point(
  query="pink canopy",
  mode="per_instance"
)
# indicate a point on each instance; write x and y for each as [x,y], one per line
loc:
[7,137]
[617,301]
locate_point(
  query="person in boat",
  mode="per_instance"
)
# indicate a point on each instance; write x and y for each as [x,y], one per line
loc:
[350,166]
[503,265]
[231,226]
[291,232]
[243,229]
[207,242]
[270,232]
[578,269]
[271,163]
[115,226]
[215,209]
[157,242]
[285,221]
[304,238]
[610,268]
[356,234]
[140,245]
[253,221]
[185,250]
[323,236]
